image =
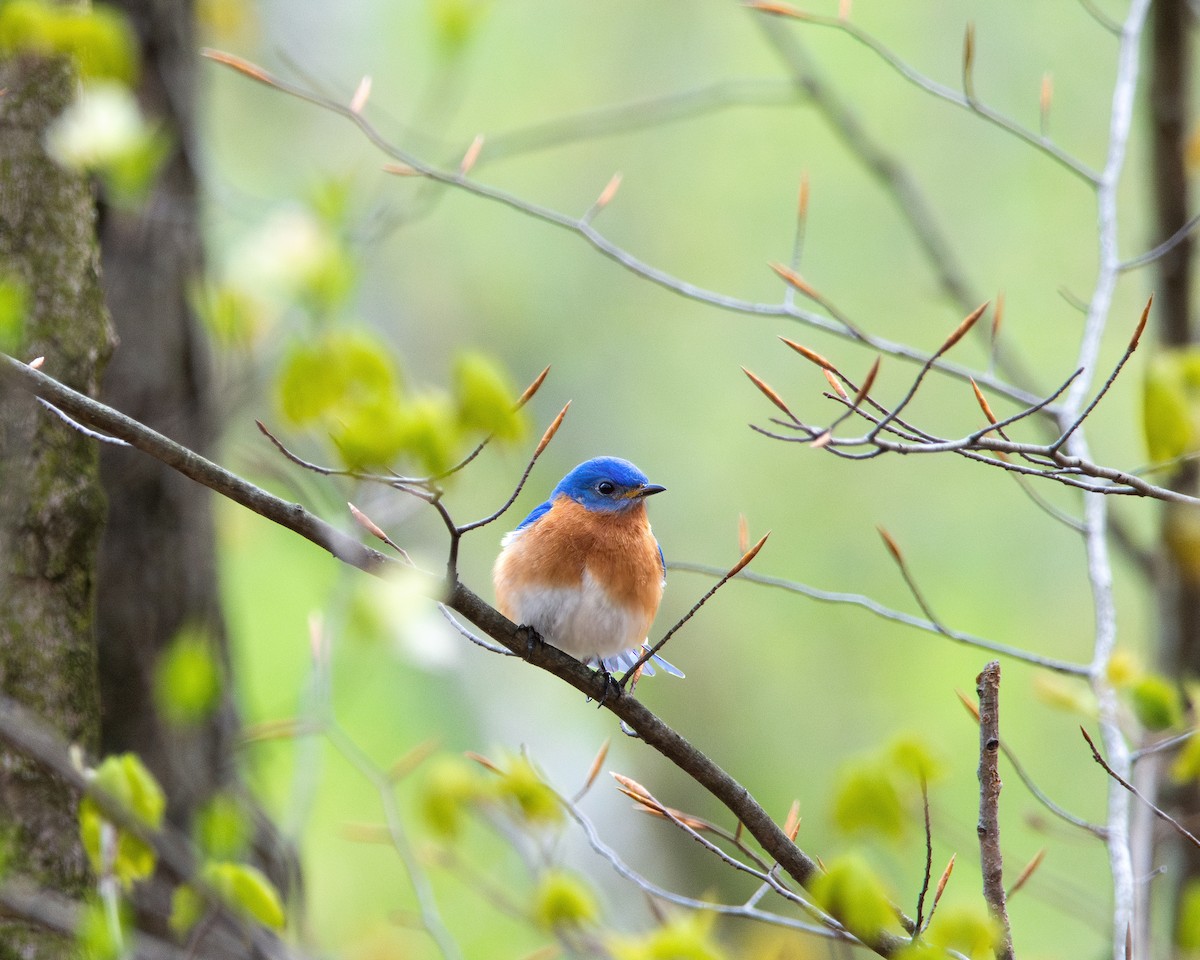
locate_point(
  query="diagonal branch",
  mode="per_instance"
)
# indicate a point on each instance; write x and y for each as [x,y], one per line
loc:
[649,727]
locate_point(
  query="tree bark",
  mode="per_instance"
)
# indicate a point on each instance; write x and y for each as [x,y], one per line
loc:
[157,569]
[1177,587]
[51,504]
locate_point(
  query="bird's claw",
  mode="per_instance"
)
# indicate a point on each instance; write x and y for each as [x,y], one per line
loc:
[610,683]
[532,639]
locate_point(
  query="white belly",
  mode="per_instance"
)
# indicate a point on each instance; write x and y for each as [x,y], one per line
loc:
[580,621]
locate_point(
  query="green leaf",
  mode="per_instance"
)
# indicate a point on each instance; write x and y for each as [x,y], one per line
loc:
[912,756]
[98,37]
[13,305]
[1186,768]
[222,828]
[335,375]
[187,679]
[485,398]
[187,907]
[232,316]
[247,890]
[867,801]
[429,431]
[522,788]
[125,779]
[968,929]
[102,933]
[1156,702]
[1187,924]
[243,888]
[450,787]
[1171,404]
[370,435]
[454,23]
[563,900]
[851,892]
[687,937]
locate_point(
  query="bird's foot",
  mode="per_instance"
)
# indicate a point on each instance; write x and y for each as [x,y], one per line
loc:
[610,685]
[532,638]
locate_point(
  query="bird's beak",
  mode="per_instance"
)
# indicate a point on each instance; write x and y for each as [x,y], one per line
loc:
[645,491]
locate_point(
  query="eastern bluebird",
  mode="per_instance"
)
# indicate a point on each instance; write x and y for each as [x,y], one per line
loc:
[584,570]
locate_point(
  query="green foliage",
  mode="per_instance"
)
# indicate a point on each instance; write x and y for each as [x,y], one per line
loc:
[222,829]
[1171,404]
[346,381]
[968,929]
[1187,925]
[187,678]
[98,37]
[486,398]
[911,755]
[454,23]
[879,794]
[103,132]
[1156,702]
[337,372]
[680,938]
[233,317]
[563,901]
[867,801]
[1186,767]
[102,933]
[243,888]
[125,779]
[1068,694]
[13,304]
[451,786]
[850,891]
[523,790]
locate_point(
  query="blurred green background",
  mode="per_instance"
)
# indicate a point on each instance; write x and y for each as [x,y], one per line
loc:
[781,691]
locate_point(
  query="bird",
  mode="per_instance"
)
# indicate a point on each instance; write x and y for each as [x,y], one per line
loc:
[584,570]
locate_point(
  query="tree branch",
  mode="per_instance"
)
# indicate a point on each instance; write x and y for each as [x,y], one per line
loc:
[987,686]
[652,730]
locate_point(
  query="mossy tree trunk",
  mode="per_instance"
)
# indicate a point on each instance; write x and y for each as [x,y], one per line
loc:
[51,505]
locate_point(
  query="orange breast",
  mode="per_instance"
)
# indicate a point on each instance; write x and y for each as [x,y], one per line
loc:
[617,548]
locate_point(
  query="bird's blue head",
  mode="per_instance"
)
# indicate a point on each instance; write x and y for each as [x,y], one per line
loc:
[606,483]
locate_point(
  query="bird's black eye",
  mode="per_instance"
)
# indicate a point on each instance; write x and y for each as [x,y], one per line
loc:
[606,488]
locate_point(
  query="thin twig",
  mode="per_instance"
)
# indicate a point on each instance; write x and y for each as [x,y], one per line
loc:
[896,616]
[1126,785]
[474,638]
[729,575]
[987,686]
[942,92]
[918,924]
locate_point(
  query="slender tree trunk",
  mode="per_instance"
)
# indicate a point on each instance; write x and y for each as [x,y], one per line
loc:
[51,505]
[1177,586]
[157,568]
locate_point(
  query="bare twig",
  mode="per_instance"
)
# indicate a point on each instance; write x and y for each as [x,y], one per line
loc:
[1038,794]
[918,924]
[987,686]
[965,100]
[729,575]
[896,616]
[1126,785]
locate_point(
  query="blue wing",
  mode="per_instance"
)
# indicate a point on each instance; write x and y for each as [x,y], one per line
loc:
[535,514]
[623,661]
